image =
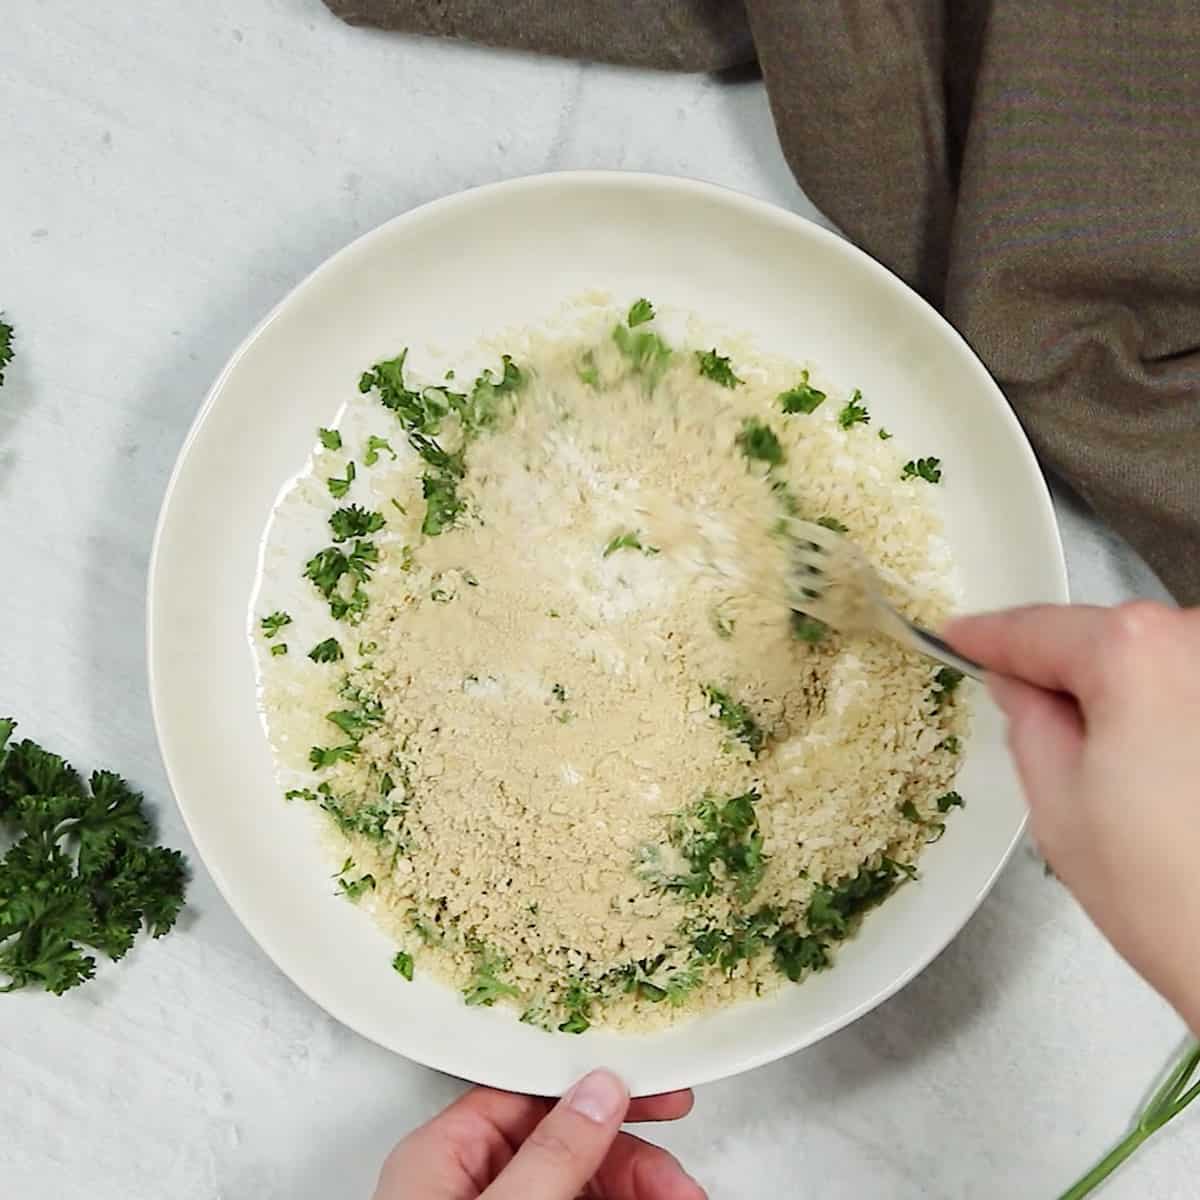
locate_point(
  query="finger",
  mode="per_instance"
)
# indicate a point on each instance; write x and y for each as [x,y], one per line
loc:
[565,1150]
[1046,734]
[670,1106]
[636,1170]
[463,1148]
[1051,646]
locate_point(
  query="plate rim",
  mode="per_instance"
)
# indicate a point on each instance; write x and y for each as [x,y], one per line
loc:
[666,1080]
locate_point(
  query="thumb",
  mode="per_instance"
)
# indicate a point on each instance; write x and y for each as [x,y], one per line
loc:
[566,1149]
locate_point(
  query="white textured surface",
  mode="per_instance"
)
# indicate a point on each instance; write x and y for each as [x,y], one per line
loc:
[168,171]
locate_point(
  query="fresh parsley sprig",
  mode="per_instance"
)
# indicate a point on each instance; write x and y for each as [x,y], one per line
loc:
[82,872]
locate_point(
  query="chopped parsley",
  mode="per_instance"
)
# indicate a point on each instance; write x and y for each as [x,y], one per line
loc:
[486,986]
[354,521]
[442,503]
[587,370]
[647,354]
[928,469]
[328,651]
[330,438]
[402,964]
[716,367]
[808,629]
[80,870]
[803,398]
[948,801]
[279,650]
[273,623]
[374,445]
[640,312]
[352,889]
[6,346]
[629,540]
[339,487]
[950,744]
[325,756]
[737,718]
[945,684]
[832,523]
[712,832]
[854,413]
[908,810]
[757,441]
[884,434]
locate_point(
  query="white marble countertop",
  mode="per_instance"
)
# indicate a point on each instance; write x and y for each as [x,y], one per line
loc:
[169,170]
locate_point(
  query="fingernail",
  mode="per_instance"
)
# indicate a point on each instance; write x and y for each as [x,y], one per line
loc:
[600,1096]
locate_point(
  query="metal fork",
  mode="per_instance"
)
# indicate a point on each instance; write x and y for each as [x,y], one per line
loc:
[834,583]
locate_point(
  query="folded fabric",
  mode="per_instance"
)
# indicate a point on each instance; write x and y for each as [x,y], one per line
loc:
[1032,167]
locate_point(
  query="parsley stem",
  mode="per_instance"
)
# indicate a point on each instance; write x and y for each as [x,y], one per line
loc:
[1170,1100]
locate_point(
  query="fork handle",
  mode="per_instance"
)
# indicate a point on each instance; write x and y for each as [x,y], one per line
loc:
[932,645]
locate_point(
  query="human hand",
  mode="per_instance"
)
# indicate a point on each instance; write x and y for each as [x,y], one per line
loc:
[1103,708]
[491,1145]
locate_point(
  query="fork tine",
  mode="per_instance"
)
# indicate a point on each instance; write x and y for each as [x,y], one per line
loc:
[810,531]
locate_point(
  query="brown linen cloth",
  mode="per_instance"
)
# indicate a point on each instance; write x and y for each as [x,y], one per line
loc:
[1032,166]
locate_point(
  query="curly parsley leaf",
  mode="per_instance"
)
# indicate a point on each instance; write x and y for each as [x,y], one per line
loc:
[79,874]
[328,651]
[737,718]
[928,469]
[945,684]
[808,629]
[647,354]
[716,367]
[354,521]
[854,413]
[803,398]
[757,441]
[374,445]
[640,311]
[339,487]
[6,346]
[273,623]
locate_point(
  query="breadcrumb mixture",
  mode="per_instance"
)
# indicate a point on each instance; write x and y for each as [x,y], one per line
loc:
[592,765]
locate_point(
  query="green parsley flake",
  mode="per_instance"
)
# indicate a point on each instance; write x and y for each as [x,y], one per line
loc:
[854,413]
[946,682]
[628,541]
[339,487]
[6,347]
[374,445]
[640,312]
[928,469]
[803,398]
[948,801]
[832,523]
[402,964]
[326,652]
[737,718]
[330,438]
[716,367]
[808,629]
[279,650]
[884,435]
[757,441]
[354,521]
[273,623]
[647,354]
[325,756]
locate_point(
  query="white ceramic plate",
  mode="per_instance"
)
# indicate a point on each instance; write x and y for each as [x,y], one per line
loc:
[446,274]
